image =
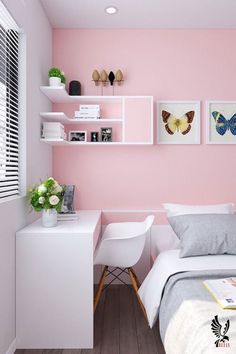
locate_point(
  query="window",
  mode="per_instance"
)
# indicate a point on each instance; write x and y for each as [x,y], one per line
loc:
[9,105]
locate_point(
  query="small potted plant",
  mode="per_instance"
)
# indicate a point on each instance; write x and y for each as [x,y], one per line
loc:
[54,75]
[47,197]
[63,79]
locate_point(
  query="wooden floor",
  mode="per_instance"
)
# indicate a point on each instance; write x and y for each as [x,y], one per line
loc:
[120,327]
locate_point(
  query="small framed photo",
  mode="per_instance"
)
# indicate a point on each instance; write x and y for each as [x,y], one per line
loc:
[68,200]
[79,136]
[221,122]
[178,122]
[94,137]
[106,134]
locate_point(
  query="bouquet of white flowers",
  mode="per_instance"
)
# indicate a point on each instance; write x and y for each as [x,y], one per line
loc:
[46,195]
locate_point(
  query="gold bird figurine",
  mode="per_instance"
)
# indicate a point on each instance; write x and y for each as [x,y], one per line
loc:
[96,77]
[103,77]
[119,77]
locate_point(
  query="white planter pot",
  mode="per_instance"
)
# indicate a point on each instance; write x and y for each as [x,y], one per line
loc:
[55,81]
[49,218]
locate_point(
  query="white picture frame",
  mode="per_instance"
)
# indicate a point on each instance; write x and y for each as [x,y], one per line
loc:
[227,109]
[77,136]
[178,109]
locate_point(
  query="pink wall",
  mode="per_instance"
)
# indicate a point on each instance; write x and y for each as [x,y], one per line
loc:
[170,65]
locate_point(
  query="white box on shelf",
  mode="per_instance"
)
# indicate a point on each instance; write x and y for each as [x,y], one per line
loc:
[53,125]
[50,135]
[53,132]
[54,137]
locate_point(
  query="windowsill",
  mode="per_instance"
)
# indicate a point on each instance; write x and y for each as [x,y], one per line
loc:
[10,199]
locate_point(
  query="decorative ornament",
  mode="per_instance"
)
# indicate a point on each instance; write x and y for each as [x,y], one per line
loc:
[96,77]
[111,77]
[103,77]
[119,77]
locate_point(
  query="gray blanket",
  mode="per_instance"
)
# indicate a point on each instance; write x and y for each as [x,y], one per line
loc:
[187,288]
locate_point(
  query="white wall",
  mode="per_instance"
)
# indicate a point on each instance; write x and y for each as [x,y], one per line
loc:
[30,16]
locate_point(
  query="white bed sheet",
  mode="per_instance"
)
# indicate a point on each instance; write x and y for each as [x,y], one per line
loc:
[169,263]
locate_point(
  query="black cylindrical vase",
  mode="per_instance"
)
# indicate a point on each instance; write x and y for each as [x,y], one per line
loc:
[74,88]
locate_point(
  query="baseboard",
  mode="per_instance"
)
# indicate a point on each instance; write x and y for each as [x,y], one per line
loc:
[12,348]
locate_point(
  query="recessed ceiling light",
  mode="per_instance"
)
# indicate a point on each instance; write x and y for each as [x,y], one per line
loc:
[111,10]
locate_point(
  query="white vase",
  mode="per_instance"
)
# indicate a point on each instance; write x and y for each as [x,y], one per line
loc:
[49,218]
[55,81]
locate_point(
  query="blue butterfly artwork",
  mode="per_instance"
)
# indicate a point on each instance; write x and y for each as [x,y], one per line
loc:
[223,124]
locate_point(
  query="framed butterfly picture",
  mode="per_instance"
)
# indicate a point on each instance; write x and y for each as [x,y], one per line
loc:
[221,122]
[178,122]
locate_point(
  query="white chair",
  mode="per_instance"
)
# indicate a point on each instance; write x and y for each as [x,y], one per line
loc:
[121,247]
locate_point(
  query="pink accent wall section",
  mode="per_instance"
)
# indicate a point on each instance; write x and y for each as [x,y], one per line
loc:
[137,126]
[170,65]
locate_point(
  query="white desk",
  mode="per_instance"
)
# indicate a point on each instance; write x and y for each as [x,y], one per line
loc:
[54,283]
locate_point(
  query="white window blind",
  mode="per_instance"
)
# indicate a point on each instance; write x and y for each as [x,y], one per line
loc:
[9,132]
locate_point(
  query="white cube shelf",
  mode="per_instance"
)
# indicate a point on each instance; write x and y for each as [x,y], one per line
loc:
[135,123]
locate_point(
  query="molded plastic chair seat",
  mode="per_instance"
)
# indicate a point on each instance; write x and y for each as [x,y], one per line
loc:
[121,246]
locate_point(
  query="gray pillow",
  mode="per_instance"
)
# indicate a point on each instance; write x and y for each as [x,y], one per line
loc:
[203,234]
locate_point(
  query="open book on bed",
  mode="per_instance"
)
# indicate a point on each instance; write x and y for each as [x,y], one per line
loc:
[223,291]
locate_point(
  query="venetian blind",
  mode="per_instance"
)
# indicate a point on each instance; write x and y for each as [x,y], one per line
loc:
[9,137]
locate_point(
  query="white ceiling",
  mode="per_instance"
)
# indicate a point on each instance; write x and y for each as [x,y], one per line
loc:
[142,13]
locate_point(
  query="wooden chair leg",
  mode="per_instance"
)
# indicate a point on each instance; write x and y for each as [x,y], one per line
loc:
[135,277]
[100,287]
[135,287]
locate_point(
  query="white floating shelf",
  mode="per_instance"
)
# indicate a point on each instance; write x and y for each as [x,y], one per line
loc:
[97,121]
[60,95]
[76,143]
[62,117]
[62,142]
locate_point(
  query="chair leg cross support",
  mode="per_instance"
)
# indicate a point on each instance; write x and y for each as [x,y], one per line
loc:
[116,276]
[134,281]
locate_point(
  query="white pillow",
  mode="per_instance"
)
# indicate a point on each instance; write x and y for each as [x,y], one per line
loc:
[180,209]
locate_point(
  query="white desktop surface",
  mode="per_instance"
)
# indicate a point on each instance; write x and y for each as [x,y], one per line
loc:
[86,224]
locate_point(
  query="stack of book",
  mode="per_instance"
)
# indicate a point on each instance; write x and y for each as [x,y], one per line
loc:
[53,130]
[68,216]
[88,111]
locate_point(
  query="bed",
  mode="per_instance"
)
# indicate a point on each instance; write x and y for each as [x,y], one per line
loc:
[174,292]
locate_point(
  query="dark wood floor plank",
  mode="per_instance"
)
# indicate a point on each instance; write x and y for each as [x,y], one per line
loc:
[50,351]
[71,351]
[34,351]
[156,330]
[119,328]
[145,336]
[128,334]
[110,339]
[98,327]
[19,351]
